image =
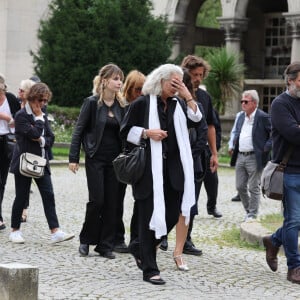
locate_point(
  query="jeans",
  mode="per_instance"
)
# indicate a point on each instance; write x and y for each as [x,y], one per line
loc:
[22,186]
[287,235]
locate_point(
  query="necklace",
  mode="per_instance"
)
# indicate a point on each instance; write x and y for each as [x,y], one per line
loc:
[109,103]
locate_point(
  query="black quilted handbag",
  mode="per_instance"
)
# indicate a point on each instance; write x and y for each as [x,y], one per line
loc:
[129,166]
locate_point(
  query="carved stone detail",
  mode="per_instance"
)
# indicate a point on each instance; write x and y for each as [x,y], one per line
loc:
[233,27]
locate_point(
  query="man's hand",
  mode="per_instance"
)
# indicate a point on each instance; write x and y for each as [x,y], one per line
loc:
[214,163]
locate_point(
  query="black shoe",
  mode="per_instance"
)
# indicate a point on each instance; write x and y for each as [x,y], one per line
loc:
[107,254]
[158,281]
[2,226]
[236,198]
[189,248]
[84,249]
[121,248]
[164,244]
[215,213]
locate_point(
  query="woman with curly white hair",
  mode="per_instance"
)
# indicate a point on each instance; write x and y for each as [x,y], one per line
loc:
[166,191]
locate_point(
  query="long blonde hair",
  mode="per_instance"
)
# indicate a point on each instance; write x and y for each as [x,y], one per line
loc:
[107,72]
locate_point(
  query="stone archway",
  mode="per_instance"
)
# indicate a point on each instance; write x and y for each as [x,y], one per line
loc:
[188,35]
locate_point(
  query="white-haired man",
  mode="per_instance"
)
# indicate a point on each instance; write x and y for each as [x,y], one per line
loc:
[252,146]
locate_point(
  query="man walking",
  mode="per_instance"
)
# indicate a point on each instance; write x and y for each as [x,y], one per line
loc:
[252,146]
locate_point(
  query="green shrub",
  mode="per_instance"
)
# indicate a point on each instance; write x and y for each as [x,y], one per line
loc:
[63,122]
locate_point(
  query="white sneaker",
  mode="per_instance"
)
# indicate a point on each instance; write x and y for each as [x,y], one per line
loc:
[60,236]
[16,237]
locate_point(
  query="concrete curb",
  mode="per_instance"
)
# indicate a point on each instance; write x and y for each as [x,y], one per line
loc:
[253,232]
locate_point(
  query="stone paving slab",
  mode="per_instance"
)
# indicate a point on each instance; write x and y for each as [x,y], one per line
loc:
[220,273]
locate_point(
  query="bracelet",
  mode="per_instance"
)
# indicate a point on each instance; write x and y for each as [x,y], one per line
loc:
[187,101]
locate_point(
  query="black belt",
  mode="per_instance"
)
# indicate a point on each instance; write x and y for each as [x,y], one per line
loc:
[247,153]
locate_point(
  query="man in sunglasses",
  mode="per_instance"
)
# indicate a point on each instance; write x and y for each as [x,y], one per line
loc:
[252,146]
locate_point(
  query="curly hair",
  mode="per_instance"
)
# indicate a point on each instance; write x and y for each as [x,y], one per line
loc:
[153,81]
[38,91]
[192,62]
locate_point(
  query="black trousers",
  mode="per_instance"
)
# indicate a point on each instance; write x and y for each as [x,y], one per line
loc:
[211,184]
[99,227]
[22,186]
[120,228]
[4,166]
[144,246]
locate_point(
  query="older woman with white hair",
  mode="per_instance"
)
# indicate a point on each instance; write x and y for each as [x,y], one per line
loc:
[166,191]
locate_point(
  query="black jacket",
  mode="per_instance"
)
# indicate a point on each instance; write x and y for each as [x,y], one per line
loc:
[27,129]
[13,103]
[137,112]
[90,125]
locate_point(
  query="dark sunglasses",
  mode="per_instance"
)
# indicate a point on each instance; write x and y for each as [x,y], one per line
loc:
[43,100]
[245,101]
[138,89]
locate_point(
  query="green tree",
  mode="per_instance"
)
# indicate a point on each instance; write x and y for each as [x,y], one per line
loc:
[207,16]
[225,77]
[80,36]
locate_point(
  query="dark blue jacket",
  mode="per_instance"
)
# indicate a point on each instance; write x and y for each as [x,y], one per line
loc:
[285,117]
[27,129]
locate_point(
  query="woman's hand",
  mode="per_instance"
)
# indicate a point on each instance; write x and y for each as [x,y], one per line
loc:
[36,108]
[73,167]
[156,134]
[181,88]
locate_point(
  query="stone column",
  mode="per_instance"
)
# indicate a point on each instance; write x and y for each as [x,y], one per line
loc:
[293,22]
[234,27]
[233,31]
[179,32]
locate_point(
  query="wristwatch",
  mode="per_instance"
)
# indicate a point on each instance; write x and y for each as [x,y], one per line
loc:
[145,134]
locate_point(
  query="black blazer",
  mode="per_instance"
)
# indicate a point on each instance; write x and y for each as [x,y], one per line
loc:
[90,126]
[137,112]
[13,103]
[261,138]
[27,129]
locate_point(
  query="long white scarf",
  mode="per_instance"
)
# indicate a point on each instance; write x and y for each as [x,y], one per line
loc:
[158,222]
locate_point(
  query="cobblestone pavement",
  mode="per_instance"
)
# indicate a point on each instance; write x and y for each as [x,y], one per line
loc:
[220,273]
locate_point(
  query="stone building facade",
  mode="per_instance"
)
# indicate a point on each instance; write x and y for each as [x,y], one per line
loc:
[266,32]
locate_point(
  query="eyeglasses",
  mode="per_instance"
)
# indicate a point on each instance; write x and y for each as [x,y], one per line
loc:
[138,89]
[245,101]
[20,90]
[43,100]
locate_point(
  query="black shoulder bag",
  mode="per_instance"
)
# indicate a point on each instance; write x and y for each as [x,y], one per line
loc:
[129,166]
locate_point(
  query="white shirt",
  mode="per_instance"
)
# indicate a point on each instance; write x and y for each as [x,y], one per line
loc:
[245,141]
[4,108]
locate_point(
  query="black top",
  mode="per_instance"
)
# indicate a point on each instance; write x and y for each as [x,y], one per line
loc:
[285,118]
[204,98]
[110,145]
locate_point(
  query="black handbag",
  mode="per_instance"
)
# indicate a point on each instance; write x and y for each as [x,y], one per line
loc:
[129,166]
